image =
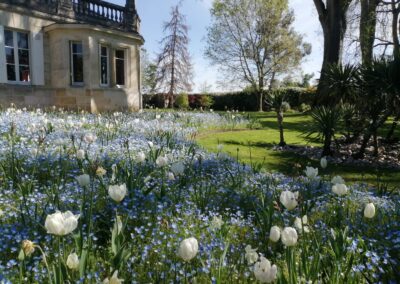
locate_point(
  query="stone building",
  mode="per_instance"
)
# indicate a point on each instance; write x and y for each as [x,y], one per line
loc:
[75,54]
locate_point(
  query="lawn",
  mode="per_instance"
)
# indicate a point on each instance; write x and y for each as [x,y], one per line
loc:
[255,147]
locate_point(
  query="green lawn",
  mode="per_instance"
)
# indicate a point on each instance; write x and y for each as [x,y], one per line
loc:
[255,147]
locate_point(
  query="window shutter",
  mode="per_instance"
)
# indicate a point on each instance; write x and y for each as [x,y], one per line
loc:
[3,75]
[37,60]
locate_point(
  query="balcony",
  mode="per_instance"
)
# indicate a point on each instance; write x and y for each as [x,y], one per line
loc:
[96,12]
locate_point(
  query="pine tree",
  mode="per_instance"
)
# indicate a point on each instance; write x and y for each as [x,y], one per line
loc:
[174,68]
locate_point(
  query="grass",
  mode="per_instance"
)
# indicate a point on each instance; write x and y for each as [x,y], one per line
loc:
[255,147]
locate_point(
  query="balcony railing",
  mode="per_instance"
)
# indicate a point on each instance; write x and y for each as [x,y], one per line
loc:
[100,10]
[85,11]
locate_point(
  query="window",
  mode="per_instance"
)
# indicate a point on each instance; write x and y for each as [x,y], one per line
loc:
[120,67]
[76,63]
[17,56]
[104,66]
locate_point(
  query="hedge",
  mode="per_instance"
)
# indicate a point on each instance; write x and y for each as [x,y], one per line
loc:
[242,101]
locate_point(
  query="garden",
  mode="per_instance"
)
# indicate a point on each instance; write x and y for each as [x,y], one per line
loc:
[133,198]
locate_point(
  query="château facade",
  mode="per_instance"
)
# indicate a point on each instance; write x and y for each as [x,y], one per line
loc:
[75,54]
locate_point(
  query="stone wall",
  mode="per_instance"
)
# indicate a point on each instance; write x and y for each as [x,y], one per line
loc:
[51,77]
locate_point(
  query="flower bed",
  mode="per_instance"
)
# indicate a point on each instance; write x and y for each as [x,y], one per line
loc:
[93,198]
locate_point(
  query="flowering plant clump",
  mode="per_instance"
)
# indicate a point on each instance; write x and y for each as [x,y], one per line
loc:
[131,198]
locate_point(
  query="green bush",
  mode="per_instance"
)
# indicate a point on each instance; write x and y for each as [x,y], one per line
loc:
[182,101]
[206,101]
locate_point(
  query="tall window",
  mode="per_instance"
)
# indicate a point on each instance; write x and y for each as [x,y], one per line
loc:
[76,63]
[104,68]
[120,67]
[17,56]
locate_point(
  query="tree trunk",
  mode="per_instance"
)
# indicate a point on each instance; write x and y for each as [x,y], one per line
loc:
[326,151]
[395,28]
[376,148]
[332,17]
[261,94]
[279,115]
[367,29]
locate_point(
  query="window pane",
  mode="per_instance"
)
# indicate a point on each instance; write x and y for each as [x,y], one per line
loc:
[120,54]
[10,55]
[77,63]
[119,72]
[8,38]
[22,40]
[11,73]
[24,75]
[23,55]
[104,71]
[77,48]
[104,51]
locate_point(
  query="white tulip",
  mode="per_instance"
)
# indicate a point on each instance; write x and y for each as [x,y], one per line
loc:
[80,154]
[150,144]
[264,272]
[61,224]
[140,157]
[73,261]
[216,223]
[171,176]
[311,172]
[220,147]
[289,236]
[83,180]
[289,199]
[275,234]
[340,189]
[117,192]
[251,255]
[324,162]
[114,279]
[188,249]
[89,138]
[369,211]
[161,161]
[337,179]
[300,224]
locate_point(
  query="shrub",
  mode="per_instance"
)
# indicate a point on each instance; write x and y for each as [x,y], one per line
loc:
[182,101]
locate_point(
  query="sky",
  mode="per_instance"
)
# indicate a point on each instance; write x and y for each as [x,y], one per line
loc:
[154,13]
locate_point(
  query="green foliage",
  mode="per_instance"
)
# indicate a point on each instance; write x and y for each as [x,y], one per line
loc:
[182,101]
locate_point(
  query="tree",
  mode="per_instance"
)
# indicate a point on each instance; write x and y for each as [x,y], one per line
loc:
[149,74]
[174,68]
[252,41]
[332,16]
[368,20]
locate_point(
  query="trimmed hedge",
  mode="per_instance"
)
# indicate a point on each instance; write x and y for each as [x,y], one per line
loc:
[242,101]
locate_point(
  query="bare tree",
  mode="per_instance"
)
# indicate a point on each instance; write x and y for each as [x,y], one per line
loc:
[252,41]
[332,16]
[174,68]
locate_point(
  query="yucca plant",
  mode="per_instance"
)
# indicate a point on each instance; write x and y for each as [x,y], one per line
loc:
[326,122]
[276,100]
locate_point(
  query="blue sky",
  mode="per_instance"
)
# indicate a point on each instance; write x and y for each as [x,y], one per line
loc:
[154,13]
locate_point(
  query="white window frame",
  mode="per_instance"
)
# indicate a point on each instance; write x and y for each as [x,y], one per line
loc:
[108,65]
[115,65]
[16,57]
[71,55]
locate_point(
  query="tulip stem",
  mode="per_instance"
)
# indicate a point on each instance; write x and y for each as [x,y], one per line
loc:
[45,263]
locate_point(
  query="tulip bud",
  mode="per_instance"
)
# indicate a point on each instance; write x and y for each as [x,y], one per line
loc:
[275,234]
[188,249]
[83,180]
[28,247]
[80,154]
[117,192]
[289,236]
[324,162]
[369,211]
[73,261]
